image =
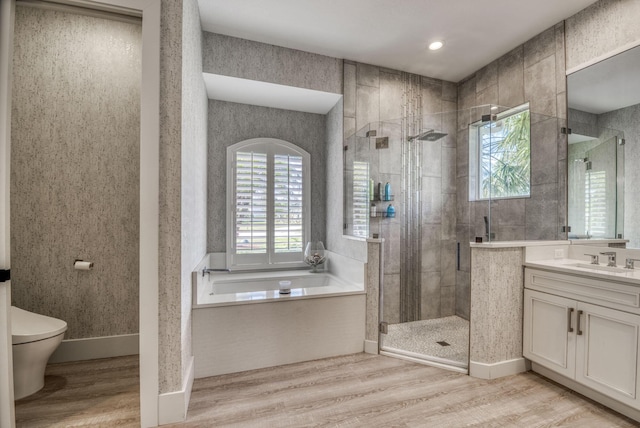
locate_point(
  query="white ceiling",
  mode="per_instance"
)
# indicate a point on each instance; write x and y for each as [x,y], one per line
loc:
[609,85]
[392,33]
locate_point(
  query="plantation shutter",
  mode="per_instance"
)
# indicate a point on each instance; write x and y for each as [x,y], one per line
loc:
[288,203]
[361,201]
[251,202]
[268,200]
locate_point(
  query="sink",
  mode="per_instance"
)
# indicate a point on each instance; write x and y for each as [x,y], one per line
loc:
[603,268]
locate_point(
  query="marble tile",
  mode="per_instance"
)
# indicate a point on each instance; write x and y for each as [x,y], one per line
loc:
[542,212]
[463,294]
[431,247]
[448,216]
[448,262]
[540,47]
[544,152]
[540,86]
[391,298]
[511,79]
[561,60]
[489,95]
[368,75]
[430,295]
[447,301]
[431,199]
[391,235]
[487,76]
[367,105]
[431,159]
[431,96]
[349,90]
[449,92]
[449,155]
[372,283]
[391,92]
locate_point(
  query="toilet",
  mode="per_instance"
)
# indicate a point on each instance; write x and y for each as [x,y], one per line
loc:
[35,337]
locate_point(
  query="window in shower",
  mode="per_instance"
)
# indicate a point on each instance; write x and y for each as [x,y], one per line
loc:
[268,203]
[500,156]
[361,199]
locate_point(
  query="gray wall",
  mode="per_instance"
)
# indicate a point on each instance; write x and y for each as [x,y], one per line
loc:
[230,123]
[374,94]
[74,170]
[533,72]
[231,56]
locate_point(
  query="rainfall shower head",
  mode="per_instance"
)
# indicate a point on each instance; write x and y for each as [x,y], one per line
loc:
[428,135]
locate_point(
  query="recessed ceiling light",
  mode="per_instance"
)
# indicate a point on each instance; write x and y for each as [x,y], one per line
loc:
[435,45]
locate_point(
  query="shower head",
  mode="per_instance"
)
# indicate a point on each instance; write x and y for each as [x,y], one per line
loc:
[428,135]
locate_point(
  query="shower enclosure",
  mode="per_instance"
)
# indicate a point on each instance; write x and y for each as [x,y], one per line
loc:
[596,182]
[443,171]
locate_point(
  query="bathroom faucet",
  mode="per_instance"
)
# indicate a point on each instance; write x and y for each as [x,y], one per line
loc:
[628,263]
[209,270]
[594,258]
[612,257]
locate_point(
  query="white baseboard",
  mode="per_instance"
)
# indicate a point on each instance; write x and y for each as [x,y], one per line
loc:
[96,347]
[173,406]
[496,370]
[370,347]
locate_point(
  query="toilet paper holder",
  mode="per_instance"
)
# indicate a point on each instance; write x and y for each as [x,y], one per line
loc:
[79,264]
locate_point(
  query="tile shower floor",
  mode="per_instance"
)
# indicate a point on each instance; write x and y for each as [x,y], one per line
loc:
[444,340]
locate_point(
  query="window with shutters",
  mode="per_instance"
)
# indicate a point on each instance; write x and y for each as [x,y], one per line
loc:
[268,204]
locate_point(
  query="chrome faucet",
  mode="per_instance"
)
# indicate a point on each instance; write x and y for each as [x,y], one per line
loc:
[628,263]
[612,257]
[209,270]
[594,259]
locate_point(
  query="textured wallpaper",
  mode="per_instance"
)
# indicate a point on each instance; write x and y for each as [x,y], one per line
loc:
[194,164]
[74,170]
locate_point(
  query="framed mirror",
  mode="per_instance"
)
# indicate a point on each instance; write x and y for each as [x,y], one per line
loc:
[604,118]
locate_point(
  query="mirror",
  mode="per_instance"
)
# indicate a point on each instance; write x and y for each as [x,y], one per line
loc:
[604,118]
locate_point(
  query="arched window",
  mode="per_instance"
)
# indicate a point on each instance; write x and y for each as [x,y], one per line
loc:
[268,204]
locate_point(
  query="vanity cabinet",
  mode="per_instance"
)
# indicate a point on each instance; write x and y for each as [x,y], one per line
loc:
[571,328]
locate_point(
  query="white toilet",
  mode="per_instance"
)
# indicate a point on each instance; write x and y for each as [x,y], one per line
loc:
[35,337]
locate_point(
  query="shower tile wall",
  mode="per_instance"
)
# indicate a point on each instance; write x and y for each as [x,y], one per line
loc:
[534,73]
[373,94]
[74,170]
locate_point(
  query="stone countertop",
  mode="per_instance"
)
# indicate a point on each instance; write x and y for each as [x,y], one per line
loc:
[584,268]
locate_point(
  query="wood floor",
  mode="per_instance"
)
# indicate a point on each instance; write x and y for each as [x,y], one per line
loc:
[358,390]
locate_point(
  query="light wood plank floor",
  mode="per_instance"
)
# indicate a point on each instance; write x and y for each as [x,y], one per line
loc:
[358,390]
[97,393]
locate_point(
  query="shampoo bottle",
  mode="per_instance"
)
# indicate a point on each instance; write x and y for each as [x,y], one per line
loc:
[387,192]
[391,211]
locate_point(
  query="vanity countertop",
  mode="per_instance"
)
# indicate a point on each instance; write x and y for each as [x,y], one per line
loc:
[584,268]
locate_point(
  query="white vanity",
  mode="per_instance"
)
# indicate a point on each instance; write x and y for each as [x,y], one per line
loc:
[581,324]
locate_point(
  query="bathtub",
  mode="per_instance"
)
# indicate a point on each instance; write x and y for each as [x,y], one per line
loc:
[237,289]
[240,321]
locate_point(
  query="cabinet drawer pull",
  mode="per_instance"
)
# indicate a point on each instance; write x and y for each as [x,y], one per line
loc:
[569,312]
[579,333]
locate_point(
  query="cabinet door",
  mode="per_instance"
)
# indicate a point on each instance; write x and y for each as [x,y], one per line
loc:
[549,331]
[607,352]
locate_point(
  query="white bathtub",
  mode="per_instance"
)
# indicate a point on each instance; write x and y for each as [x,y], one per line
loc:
[240,288]
[242,322]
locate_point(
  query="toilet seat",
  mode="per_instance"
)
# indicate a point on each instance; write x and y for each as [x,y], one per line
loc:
[29,327]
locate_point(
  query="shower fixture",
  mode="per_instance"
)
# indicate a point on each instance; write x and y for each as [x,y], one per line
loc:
[428,135]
